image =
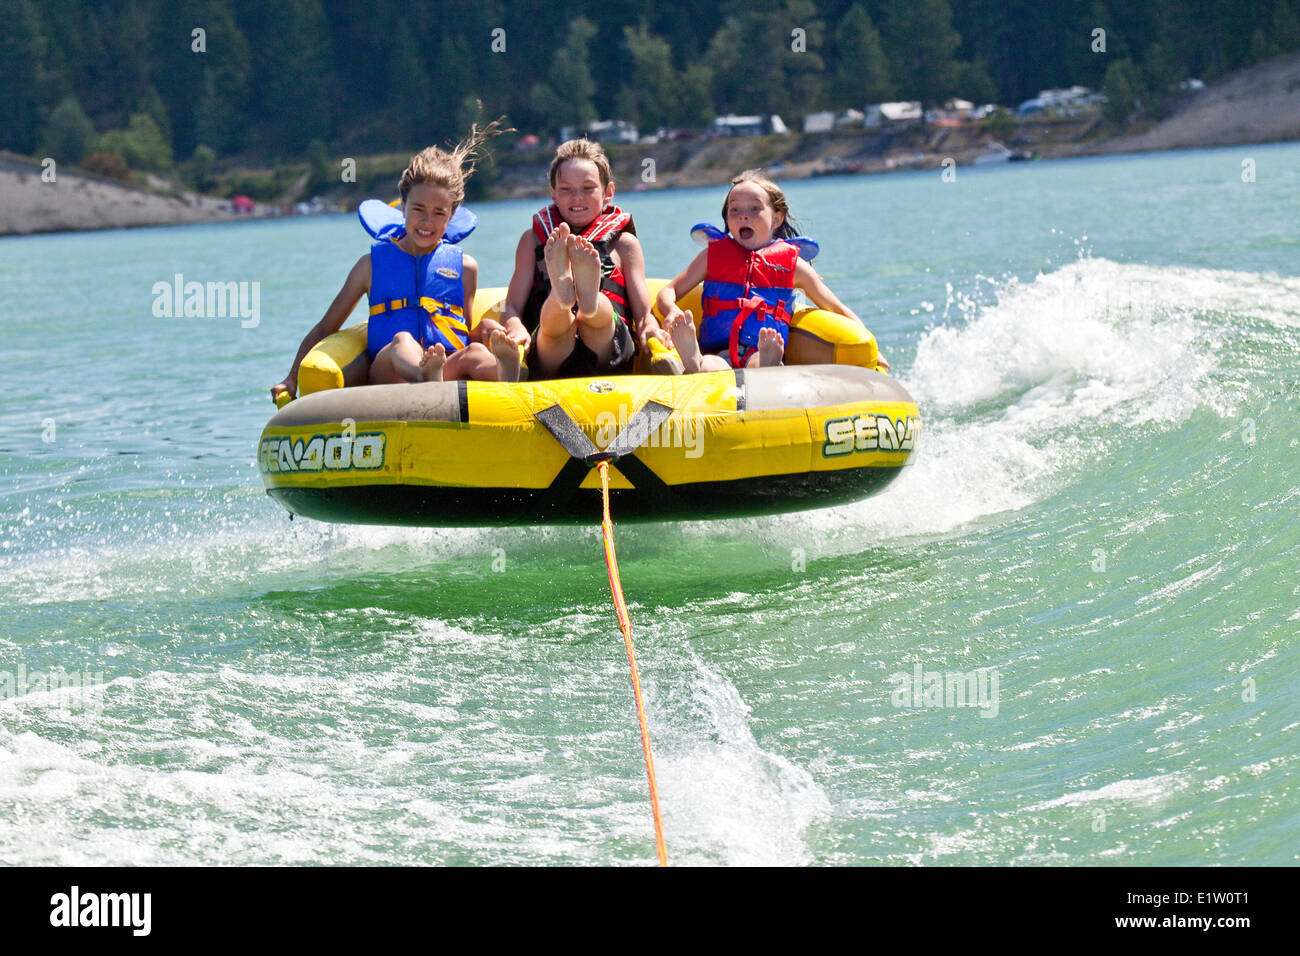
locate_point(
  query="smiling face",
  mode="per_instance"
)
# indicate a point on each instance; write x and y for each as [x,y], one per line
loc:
[579,194]
[751,220]
[428,209]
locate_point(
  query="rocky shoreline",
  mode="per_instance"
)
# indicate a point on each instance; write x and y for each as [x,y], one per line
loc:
[1258,105]
[38,199]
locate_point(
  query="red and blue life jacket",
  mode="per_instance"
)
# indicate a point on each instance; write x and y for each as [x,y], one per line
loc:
[744,291]
[424,296]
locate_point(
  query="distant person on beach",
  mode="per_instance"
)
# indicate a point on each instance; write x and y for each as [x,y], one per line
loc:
[421,289]
[749,275]
[579,281]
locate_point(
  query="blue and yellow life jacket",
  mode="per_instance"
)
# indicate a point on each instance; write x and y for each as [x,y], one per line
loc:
[424,296]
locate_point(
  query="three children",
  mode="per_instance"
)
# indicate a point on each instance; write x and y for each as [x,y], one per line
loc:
[577,303]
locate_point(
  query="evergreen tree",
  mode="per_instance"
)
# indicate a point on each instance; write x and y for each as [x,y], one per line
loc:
[564,98]
[71,28]
[1121,89]
[975,83]
[125,67]
[293,69]
[1285,35]
[1162,73]
[175,69]
[201,166]
[451,116]
[756,69]
[861,69]
[223,107]
[68,132]
[695,105]
[22,51]
[151,105]
[922,46]
[651,98]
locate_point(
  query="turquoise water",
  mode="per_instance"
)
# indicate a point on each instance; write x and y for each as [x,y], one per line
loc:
[1099,538]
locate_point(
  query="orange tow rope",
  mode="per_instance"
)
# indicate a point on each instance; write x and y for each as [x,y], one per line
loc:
[625,623]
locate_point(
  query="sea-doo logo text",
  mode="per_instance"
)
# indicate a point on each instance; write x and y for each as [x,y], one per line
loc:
[600,387]
[870,433]
[282,453]
[102,909]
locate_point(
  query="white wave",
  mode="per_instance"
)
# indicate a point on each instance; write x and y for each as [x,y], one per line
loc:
[1016,394]
[726,799]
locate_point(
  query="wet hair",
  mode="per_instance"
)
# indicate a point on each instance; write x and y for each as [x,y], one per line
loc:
[775,198]
[582,149]
[438,167]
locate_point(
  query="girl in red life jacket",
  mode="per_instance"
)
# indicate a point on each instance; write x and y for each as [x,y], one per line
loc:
[421,289]
[579,281]
[749,278]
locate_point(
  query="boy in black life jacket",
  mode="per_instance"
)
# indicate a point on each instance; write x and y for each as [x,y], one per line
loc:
[579,281]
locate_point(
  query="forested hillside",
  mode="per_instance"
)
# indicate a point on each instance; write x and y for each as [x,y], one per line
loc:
[150,83]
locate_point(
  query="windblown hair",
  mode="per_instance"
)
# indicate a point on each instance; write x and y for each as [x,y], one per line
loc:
[582,149]
[775,198]
[450,170]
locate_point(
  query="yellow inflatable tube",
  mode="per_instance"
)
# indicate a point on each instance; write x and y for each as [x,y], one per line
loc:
[716,445]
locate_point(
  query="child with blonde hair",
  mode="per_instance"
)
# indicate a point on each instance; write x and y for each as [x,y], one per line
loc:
[421,288]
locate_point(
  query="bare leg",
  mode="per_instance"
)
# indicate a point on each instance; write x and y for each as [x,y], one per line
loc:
[507,356]
[474,361]
[554,337]
[398,361]
[596,316]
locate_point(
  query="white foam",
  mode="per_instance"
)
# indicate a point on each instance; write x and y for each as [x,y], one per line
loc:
[1145,790]
[1017,393]
[725,798]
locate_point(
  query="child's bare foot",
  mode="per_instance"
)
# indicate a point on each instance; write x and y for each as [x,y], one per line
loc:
[585,263]
[507,356]
[557,266]
[432,363]
[682,329]
[771,347]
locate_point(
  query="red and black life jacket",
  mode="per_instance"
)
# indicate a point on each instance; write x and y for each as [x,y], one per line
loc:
[602,233]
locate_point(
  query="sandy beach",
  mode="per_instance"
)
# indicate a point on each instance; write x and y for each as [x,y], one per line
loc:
[74,201]
[1257,105]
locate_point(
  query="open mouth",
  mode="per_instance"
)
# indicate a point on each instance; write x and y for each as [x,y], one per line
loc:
[745,233]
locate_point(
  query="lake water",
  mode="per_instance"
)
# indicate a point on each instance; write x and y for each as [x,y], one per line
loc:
[1099,539]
